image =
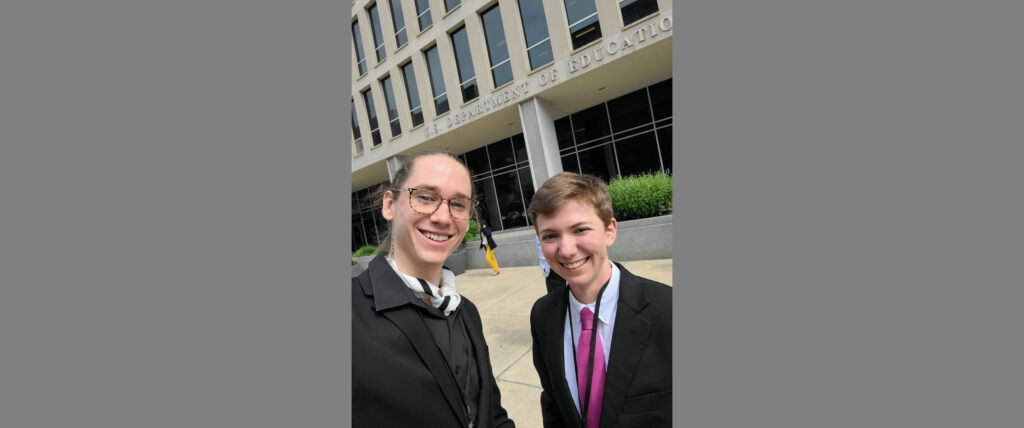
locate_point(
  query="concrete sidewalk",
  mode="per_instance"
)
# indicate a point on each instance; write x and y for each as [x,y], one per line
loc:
[504,302]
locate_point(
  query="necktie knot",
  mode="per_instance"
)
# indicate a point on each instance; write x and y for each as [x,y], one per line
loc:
[586,319]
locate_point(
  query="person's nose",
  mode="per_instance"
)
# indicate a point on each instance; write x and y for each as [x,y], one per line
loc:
[442,214]
[567,247]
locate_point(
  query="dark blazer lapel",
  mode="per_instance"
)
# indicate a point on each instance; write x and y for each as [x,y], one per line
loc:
[554,340]
[476,337]
[628,342]
[412,326]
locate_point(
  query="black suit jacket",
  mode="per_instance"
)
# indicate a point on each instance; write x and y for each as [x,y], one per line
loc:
[638,384]
[400,378]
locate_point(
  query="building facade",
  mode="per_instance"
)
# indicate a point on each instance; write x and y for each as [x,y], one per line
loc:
[519,89]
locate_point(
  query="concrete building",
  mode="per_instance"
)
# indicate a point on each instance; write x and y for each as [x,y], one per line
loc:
[520,89]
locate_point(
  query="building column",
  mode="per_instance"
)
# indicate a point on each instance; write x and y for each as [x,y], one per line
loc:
[541,139]
[393,164]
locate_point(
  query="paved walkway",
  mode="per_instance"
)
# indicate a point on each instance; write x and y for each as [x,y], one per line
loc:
[504,302]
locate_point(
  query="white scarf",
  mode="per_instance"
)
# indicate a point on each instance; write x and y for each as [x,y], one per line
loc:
[446,297]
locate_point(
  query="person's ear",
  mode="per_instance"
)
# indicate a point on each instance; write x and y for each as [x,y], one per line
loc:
[388,205]
[610,232]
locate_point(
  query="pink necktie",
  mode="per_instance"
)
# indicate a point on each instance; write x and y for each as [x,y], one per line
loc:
[583,354]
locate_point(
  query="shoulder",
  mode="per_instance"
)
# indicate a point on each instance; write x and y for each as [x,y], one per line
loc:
[546,304]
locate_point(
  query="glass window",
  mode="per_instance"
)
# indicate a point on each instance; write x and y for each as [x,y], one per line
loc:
[665,144]
[519,146]
[526,183]
[423,13]
[398,19]
[450,4]
[599,162]
[389,102]
[661,99]
[510,200]
[634,10]
[535,28]
[476,160]
[464,64]
[355,129]
[378,37]
[638,154]
[488,206]
[436,74]
[413,94]
[357,38]
[591,124]
[570,163]
[630,111]
[501,154]
[369,229]
[563,131]
[371,111]
[583,24]
[497,50]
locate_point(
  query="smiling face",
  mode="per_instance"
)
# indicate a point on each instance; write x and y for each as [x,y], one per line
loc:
[422,242]
[575,242]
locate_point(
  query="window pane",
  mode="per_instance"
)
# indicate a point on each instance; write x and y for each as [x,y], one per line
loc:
[634,10]
[412,93]
[638,154]
[370,229]
[357,38]
[665,144]
[378,37]
[599,162]
[355,122]
[494,35]
[570,163]
[585,31]
[540,54]
[630,110]
[661,99]
[371,110]
[398,18]
[464,63]
[519,147]
[476,160]
[489,213]
[423,13]
[389,101]
[590,124]
[563,131]
[501,154]
[450,4]
[535,25]
[436,74]
[510,200]
[526,181]
[583,25]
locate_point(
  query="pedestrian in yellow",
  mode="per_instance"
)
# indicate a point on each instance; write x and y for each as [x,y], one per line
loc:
[488,242]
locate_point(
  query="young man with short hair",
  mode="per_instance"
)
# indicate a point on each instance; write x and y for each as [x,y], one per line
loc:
[608,326]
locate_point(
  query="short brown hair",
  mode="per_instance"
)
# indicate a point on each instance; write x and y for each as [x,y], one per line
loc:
[565,186]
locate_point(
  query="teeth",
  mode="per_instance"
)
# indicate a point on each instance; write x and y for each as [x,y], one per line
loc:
[434,237]
[576,265]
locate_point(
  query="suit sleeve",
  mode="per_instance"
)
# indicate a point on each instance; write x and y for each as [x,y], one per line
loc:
[549,409]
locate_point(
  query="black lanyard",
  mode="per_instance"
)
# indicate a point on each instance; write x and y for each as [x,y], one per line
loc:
[585,402]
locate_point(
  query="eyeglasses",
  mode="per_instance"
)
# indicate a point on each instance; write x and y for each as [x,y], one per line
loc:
[425,201]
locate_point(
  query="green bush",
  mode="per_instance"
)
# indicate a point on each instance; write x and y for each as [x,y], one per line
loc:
[641,196]
[364,251]
[473,232]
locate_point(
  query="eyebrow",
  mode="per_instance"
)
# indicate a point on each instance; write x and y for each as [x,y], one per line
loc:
[582,223]
[436,190]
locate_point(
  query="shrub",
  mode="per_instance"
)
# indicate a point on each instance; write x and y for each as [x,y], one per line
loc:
[473,232]
[641,196]
[364,251]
